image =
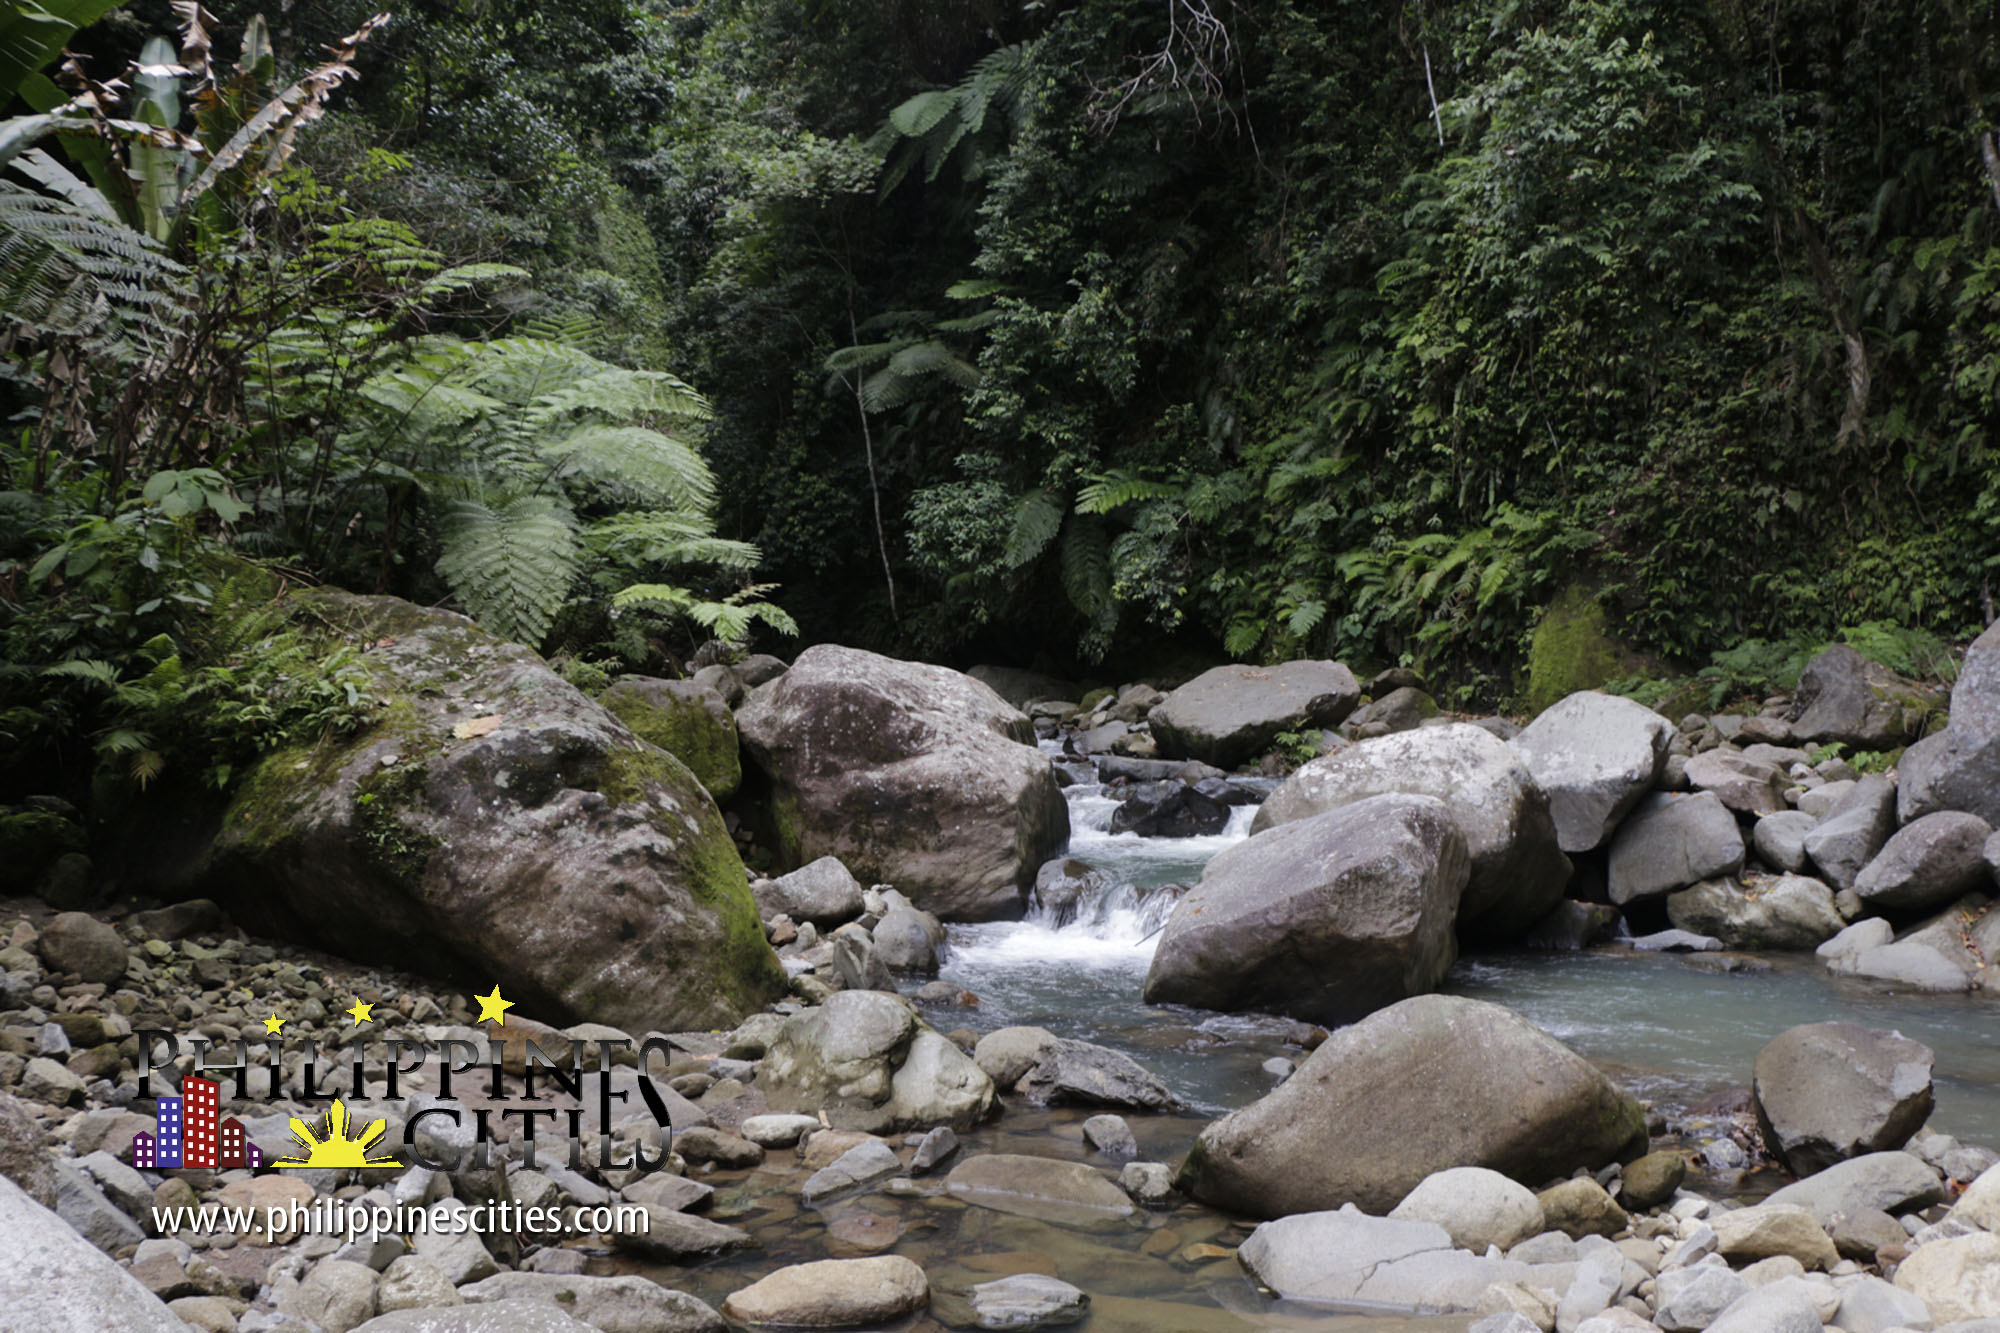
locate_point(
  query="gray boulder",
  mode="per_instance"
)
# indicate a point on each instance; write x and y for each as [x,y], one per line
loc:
[1431,1083]
[1594,755]
[1007,1054]
[1169,810]
[1788,912]
[868,1062]
[1825,1092]
[26,1156]
[1476,1206]
[911,774]
[79,944]
[907,940]
[1959,768]
[52,1280]
[1950,952]
[1671,841]
[1517,869]
[1780,839]
[1747,786]
[1843,696]
[690,721]
[489,790]
[1929,862]
[1229,714]
[1027,1300]
[1078,1073]
[1065,1193]
[515,1316]
[1401,709]
[822,892]
[628,1304]
[1345,1256]
[1325,919]
[83,1205]
[1853,831]
[1892,1182]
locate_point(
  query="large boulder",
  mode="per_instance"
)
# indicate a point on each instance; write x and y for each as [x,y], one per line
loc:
[822,892]
[1434,1082]
[1232,713]
[78,944]
[1749,786]
[1843,696]
[1788,912]
[1672,841]
[1326,918]
[52,1280]
[1853,831]
[1929,862]
[912,775]
[867,1062]
[1517,869]
[690,721]
[490,823]
[1890,1182]
[833,1293]
[1825,1092]
[1959,768]
[1345,1257]
[1950,952]
[1594,755]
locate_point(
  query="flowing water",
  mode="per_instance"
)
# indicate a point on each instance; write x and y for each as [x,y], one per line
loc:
[1667,1027]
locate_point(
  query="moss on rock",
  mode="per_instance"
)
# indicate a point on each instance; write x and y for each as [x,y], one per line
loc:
[1573,649]
[689,721]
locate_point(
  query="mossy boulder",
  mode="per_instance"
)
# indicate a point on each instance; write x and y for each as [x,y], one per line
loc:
[1573,649]
[910,774]
[492,824]
[690,721]
[36,835]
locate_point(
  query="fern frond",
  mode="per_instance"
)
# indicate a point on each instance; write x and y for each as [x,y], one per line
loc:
[1037,519]
[640,464]
[1086,571]
[512,565]
[1115,489]
[661,537]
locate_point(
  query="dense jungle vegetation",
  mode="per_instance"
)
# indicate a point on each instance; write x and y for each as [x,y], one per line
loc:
[1052,333]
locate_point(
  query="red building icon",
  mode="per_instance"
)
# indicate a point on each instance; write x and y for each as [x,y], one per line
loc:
[199,1146]
[229,1136]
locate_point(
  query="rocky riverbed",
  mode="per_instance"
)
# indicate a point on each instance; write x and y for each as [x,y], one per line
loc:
[802,1127]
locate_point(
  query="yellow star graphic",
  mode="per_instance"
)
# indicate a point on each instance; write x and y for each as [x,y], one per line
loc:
[361,1013]
[493,1007]
[274,1024]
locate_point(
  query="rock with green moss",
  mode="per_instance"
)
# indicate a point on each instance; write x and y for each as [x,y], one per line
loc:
[689,721]
[494,825]
[912,775]
[1573,650]
[1434,1082]
[1842,696]
[36,835]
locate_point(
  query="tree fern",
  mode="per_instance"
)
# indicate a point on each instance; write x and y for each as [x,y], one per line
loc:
[1115,489]
[512,564]
[1086,577]
[930,128]
[1037,519]
[729,619]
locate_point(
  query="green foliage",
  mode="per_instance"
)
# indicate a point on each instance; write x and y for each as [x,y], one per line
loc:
[1298,748]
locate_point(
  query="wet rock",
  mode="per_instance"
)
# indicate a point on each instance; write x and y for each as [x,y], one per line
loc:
[688,719]
[912,775]
[1068,1072]
[1027,1300]
[821,891]
[866,1060]
[1651,1181]
[1348,1256]
[933,1149]
[1853,831]
[1927,864]
[673,1235]
[609,1304]
[1947,953]
[833,1293]
[80,945]
[1060,885]
[706,1144]
[1580,1208]
[1110,1135]
[1007,1054]
[492,1317]
[1788,912]
[1780,839]
[1768,1230]
[1571,926]
[1433,1082]
[1670,842]
[53,1279]
[1375,885]
[1168,810]
[1957,1278]
[605,880]
[1230,714]
[1149,1183]
[1891,1182]
[863,1164]
[778,1131]
[1594,755]
[1064,1193]
[907,940]
[1745,785]
[1825,1092]
[1839,952]
[1475,1206]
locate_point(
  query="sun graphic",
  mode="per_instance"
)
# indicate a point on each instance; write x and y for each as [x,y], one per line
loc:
[335,1149]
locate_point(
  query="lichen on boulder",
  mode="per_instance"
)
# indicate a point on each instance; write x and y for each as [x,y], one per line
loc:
[492,824]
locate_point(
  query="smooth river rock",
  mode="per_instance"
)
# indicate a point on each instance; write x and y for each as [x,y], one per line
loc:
[1671,841]
[1594,755]
[1930,862]
[54,1281]
[1065,1193]
[1430,1083]
[1230,714]
[1788,912]
[1325,919]
[833,1293]
[868,1062]
[1825,1092]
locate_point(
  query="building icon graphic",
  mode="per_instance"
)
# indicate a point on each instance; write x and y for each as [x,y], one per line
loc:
[234,1147]
[160,1150]
[199,1146]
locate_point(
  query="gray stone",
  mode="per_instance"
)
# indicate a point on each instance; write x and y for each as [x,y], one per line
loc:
[1979,1206]
[1782,1307]
[1843,696]
[1581,1207]
[125,1187]
[1477,1207]
[1893,1182]
[1691,1298]
[1230,714]
[1746,785]
[413,1282]
[913,775]
[1169,810]
[336,1295]
[25,1156]
[1947,953]
[1956,1278]
[1599,1274]
[1149,1183]
[54,1281]
[935,1147]
[177,921]
[459,1255]
[1594,755]
[1768,1230]
[1670,842]
[1375,885]
[81,1204]
[1928,863]
[605,881]
[1330,1256]
[821,891]
[1825,1092]
[1844,842]
[609,1304]
[1027,1300]
[1080,1073]
[1780,839]
[79,944]
[833,1293]
[863,1164]
[1789,912]
[1434,1082]
[1958,768]
[493,1317]
[1007,1054]
[1869,933]
[778,1131]
[672,1235]
[860,967]
[866,1060]
[1871,1305]
[1110,1135]
[1064,1193]
[1517,870]
[674,1194]
[907,940]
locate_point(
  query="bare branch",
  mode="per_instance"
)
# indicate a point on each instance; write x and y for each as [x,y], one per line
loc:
[1189,62]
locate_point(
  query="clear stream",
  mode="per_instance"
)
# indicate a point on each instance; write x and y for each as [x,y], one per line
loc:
[1675,1035]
